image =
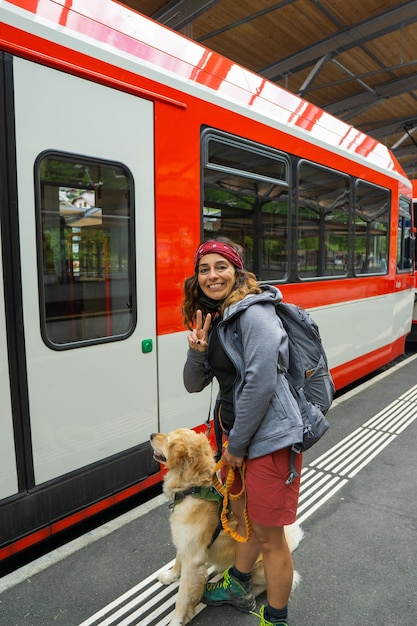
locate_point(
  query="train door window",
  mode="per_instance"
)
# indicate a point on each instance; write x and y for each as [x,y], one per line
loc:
[372,216]
[85,244]
[246,199]
[405,242]
[323,222]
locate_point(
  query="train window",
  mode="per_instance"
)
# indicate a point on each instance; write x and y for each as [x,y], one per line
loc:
[405,241]
[323,222]
[86,274]
[372,216]
[246,199]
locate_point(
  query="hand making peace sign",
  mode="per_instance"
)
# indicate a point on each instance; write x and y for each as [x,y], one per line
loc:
[198,338]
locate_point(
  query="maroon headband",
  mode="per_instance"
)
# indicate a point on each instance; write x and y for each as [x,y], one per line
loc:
[218,247]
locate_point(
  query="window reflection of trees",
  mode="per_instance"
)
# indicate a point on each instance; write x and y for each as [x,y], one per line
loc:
[323,222]
[372,211]
[246,199]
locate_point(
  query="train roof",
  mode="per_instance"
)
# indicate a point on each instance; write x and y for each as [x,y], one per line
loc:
[106,30]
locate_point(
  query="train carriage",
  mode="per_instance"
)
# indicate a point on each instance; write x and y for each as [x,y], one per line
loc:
[412,337]
[123,144]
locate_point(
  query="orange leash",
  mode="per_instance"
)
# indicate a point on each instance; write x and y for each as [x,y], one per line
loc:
[225,491]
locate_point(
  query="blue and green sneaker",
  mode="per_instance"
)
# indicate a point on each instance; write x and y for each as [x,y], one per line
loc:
[265,622]
[229,590]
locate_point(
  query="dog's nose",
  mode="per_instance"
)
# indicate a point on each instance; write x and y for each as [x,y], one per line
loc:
[152,436]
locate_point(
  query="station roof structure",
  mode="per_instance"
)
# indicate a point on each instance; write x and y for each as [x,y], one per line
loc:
[356,60]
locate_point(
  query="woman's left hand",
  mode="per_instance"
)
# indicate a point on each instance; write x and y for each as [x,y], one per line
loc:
[233,461]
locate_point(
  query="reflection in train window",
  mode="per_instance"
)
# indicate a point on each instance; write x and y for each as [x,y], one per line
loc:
[372,217]
[246,199]
[323,222]
[86,271]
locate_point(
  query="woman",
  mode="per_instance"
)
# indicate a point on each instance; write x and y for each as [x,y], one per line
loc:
[256,412]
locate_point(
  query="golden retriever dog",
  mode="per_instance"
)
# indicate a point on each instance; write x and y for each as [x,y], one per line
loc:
[189,460]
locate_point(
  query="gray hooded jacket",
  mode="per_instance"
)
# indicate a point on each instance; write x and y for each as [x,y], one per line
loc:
[267,417]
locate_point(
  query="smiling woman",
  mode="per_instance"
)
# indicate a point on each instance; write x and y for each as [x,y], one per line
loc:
[256,416]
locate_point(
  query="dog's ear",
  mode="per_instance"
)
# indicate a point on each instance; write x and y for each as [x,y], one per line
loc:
[191,453]
[178,453]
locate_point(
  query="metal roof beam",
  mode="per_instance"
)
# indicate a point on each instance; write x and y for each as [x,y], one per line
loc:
[356,103]
[406,136]
[178,13]
[248,18]
[314,73]
[358,34]
[390,127]
[405,151]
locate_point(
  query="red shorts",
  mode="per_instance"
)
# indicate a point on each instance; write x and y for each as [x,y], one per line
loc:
[270,501]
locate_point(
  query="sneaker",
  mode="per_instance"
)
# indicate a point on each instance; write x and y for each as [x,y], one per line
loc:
[229,590]
[265,622]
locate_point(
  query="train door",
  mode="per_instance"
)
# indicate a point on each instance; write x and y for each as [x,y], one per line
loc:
[8,470]
[86,221]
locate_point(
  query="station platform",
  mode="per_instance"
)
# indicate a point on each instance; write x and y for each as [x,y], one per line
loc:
[358,508]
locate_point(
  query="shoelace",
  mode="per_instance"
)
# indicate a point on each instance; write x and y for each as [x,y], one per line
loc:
[225,582]
[264,622]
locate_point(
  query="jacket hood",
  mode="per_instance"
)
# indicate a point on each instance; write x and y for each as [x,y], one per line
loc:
[269,294]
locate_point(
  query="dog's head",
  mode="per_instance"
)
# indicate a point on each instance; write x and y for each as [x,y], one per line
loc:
[186,454]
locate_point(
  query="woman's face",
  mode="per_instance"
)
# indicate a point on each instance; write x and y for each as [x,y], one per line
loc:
[216,276]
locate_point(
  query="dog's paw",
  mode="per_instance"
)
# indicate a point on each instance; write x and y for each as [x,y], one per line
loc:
[168,576]
[182,616]
[177,622]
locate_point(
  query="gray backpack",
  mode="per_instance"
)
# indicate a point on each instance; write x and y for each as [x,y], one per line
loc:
[308,375]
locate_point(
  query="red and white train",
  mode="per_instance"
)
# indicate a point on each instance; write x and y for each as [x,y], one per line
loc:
[122,145]
[412,337]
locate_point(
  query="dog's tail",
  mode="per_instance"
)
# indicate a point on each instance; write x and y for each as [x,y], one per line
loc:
[294,534]
[296,579]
